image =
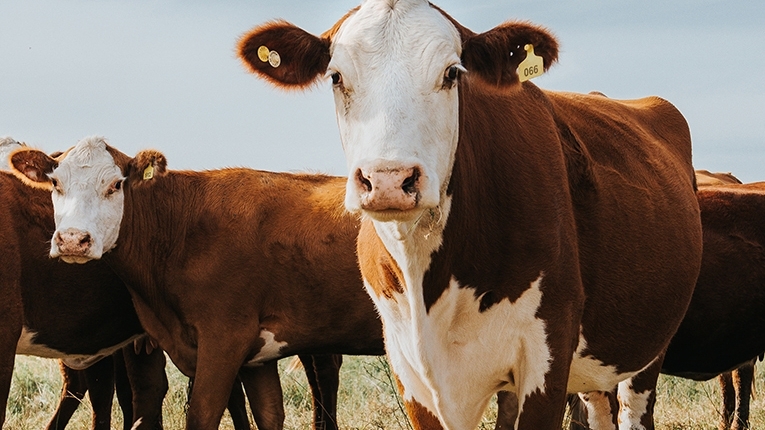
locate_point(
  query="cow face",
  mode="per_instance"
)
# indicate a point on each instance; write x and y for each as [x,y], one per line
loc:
[395,68]
[86,188]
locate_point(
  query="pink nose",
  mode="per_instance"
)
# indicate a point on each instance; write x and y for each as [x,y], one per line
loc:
[388,189]
[73,242]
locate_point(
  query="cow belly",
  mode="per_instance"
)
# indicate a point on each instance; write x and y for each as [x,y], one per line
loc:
[27,346]
[271,350]
[590,374]
[454,357]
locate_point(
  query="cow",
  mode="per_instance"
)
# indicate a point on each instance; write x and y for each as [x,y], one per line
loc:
[229,269]
[512,238]
[55,310]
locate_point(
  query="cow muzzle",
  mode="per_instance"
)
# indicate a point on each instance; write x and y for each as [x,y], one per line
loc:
[390,189]
[72,245]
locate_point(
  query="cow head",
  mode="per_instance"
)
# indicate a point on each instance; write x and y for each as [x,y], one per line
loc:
[87,188]
[395,67]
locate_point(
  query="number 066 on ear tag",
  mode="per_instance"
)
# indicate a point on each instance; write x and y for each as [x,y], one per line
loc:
[532,66]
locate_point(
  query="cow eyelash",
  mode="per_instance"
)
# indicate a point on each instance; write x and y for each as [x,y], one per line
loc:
[116,186]
[337,78]
[54,184]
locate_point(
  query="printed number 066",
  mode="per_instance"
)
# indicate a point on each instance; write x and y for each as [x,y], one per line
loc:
[530,70]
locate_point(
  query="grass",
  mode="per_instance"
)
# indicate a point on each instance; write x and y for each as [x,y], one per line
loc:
[367,399]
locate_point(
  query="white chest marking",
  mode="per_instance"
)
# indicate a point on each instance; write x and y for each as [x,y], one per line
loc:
[453,358]
[270,351]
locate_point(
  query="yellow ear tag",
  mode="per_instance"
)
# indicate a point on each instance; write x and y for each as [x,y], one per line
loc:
[532,66]
[148,172]
[263,52]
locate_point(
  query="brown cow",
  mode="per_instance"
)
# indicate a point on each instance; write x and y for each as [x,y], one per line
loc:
[51,309]
[513,238]
[229,269]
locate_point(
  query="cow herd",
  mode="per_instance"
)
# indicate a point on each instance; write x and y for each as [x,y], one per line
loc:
[491,238]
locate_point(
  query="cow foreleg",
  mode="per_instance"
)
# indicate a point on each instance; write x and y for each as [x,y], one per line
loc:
[742,381]
[216,372]
[237,407]
[10,309]
[595,410]
[264,390]
[100,386]
[148,383]
[637,397]
[507,410]
[323,373]
[72,392]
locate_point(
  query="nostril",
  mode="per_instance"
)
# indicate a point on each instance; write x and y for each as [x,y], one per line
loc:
[85,240]
[410,184]
[57,238]
[366,183]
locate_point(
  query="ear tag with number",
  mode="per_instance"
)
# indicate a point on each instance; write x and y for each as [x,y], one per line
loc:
[148,172]
[532,66]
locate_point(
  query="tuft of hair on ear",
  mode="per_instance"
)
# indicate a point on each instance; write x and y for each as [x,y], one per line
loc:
[32,167]
[301,58]
[146,165]
[494,56]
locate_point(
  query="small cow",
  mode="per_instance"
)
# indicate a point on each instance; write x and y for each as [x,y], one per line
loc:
[229,269]
[513,238]
[51,309]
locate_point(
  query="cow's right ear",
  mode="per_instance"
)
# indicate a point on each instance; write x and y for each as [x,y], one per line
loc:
[33,167]
[146,166]
[285,55]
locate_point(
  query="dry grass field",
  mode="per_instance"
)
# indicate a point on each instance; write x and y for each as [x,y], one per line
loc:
[367,399]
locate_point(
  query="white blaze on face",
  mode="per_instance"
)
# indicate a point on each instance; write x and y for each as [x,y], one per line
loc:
[7,145]
[395,111]
[85,200]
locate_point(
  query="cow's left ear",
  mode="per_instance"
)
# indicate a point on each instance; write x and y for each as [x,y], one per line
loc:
[284,54]
[33,167]
[146,166]
[495,55]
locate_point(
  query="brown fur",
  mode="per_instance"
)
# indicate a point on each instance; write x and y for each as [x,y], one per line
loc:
[42,293]
[234,252]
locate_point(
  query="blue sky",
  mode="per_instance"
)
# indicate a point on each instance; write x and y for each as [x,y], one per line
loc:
[164,75]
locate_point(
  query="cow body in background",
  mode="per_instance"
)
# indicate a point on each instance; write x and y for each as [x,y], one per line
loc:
[229,269]
[507,229]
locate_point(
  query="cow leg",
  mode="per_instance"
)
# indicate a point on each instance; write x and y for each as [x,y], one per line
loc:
[728,400]
[123,390]
[595,410]
[743,377]
[100,381]
[637,397]
[148,384]
[323,373]
[73,391]
[237,407]
[507,410]
[11,311]
[264,390]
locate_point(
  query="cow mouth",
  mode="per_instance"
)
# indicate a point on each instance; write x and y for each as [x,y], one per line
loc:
[74,259]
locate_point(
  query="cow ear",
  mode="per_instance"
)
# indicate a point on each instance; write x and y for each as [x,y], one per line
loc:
[285,55]
[146,165]
[33,167]
[494,56]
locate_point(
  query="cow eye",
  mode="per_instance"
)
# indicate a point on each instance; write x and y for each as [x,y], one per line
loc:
[337,78]
[451,74]
[56,187]
[115,187]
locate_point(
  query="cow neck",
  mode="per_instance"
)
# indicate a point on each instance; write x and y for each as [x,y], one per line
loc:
[155,222]
[34,206]
[507,186]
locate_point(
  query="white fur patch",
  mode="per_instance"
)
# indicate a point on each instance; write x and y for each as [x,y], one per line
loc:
[590,374]
[632,406]
[270,351]
[393,111]
[27,346]
[598,410]
[452,359]
[7,145]
[81,202]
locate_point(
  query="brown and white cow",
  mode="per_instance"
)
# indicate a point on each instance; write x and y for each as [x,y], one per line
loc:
[55,310]
[513,238]
[229,269]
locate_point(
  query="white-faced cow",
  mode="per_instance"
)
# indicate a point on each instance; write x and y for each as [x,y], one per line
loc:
[513,238]
[229,269]
[56,310]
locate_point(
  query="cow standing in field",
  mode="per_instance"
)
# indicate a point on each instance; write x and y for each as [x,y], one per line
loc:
[229,269]
[513,239]
[55,310]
